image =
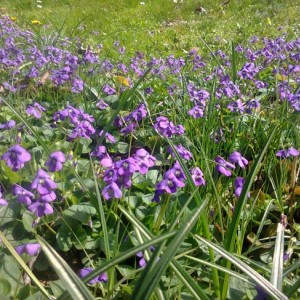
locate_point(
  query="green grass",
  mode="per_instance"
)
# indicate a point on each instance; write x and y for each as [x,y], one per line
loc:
[159,27]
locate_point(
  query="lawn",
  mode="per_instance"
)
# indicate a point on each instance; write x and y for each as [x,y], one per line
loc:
[149,150]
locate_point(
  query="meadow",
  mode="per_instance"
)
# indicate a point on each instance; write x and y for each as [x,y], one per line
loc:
[149,149]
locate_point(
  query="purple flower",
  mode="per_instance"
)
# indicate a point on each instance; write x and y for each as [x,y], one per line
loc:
[43,182]
[104,157]
[197,176]
[184,153]
[35,110]
[142,261]
[109,138]
[55,161]
[170,183]
[101,104]
[8,125]
[77,85]
[15,157]
[30,249]
[3,201]
[144,160]
[85,271]
[23,195]
[285,153]
[108,90]
[112,190]
[126,167]
[148,90]
[196,112]
[223,166]
[236,157]
[138,114]
[129,128]
[238,184]
[40,208]
[164,126]
[236,106]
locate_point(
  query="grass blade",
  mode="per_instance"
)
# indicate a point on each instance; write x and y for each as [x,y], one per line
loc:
[277,268]
[265,284]
[73,284]
[17,257]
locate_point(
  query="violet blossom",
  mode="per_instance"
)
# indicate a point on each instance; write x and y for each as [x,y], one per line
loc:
[3,201]
[238,184]
[35,110]
[23,195]
[184,153]
[197,176]
[8,125]
[15,157]
[55,161]
[285,153]
[31,249]
[223,167]
[85,271]
[236,157]
[111,190]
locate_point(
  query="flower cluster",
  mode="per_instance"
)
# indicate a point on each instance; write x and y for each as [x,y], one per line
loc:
[130,122]
[118,173]
[224,167]
[42,190]
[81,121]
[167,128]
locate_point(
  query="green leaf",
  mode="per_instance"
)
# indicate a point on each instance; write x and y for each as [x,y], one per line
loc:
[28,219]
[81,212]
[79,237]
[8,173]
[5,287]
[7,214]
[64,238]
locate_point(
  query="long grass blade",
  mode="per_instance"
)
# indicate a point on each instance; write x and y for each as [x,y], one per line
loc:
[17,257]
[277,267]
[73,284]
[261,281]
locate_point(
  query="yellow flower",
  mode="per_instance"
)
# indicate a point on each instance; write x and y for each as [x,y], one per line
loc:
[13,18]
[36,22]
[122,80]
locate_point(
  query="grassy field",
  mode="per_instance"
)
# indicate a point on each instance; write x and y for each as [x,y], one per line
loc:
[160,27]
[149,150]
